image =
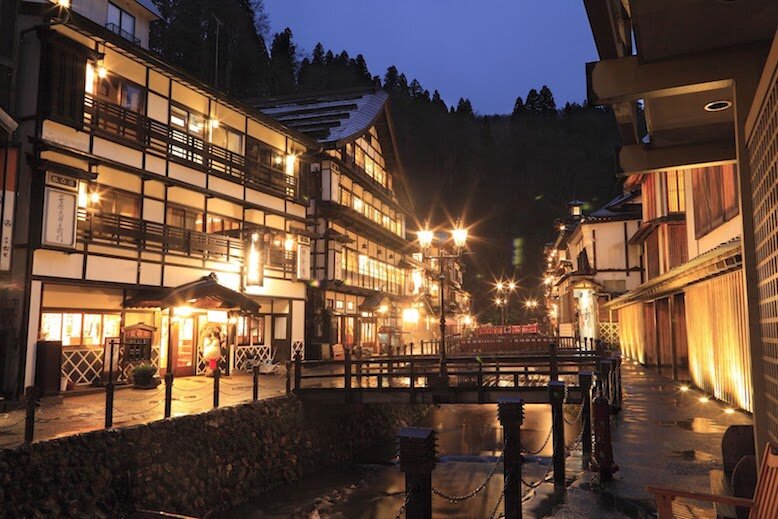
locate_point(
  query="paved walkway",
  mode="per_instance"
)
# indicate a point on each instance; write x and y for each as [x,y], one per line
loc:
[663,436]
[77,413]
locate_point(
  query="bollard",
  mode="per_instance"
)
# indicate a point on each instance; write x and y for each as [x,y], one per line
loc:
[480,382]
[599,348]
[557,397]
[552,361]
[298,364]
[603,450]
[31,396]
[347,374]
[605,376]
[217,373]
[255,388]
[168,393]
[412,382]
[585,382]
[510,411]
[109,387]
[288,377]
[416,446]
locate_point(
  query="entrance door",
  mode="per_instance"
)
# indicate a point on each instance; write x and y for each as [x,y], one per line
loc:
[184,346]
[281,342]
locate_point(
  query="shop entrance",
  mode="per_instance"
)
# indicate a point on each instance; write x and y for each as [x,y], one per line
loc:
[184,342]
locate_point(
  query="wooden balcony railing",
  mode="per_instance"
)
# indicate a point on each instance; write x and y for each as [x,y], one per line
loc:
[152,236]
[139,130]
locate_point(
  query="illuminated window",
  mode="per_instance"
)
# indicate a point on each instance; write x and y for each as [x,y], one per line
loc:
[71,329]
[250,330]
[51,327]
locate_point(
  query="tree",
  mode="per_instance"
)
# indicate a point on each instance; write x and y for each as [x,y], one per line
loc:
[391,79]
[546,102]
[532,104]
[283,62]
[518,107]
[465,108]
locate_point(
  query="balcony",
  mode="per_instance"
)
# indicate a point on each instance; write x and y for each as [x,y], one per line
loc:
[138,130]
[115,229]
[121,32]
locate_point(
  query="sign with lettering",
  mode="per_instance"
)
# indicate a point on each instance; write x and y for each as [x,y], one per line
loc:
[61,181]
[59,218]
[303,262]
[9,158]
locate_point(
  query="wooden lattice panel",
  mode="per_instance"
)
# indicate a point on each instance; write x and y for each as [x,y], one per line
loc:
[609,332]
[243,354]
[763,152]
[82,366]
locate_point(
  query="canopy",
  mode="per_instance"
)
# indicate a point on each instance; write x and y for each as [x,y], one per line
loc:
[206,293]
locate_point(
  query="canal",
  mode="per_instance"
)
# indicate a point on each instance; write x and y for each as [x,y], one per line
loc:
[469,445]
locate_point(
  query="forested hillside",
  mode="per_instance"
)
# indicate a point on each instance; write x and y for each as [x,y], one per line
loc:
[510,175]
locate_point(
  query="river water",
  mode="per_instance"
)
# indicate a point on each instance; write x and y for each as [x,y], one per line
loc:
[469,444]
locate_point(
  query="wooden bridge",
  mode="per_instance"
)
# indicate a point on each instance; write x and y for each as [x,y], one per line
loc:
[472,378]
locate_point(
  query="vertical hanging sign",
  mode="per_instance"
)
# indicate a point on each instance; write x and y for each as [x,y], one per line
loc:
[9,158]
[59,211]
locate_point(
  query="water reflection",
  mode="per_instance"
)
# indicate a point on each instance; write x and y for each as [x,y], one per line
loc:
[470,442]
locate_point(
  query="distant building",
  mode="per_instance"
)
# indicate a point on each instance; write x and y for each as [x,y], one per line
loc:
[143,196]
[590,263]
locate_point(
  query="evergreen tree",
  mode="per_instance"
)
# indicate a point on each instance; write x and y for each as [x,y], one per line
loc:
[465,108]
[438,103]
[546,102]
[532,105]
[518,108]
[283,61]
[391,82]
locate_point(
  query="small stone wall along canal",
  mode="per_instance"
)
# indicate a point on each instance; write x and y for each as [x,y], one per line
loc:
[200,464]
[470,442]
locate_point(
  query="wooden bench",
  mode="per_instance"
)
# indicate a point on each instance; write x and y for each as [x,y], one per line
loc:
[763,506]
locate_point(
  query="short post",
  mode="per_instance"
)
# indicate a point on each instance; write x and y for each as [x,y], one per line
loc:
[553,364]
[497,373]
[605,376]
[480,381]
[603,449]
[556,390]
[255,387]
[109,387]
[347,374]
[217,372]
[168,393]
[298,364]
[599,347]
[31,400]
[585,382]
[510,411]
[416,447]
[412,382]
[288,377]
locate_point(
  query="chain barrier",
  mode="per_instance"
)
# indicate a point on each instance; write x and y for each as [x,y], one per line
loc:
[477,490]
[401,511]
[493,515]
[14,424]
[533,453]
[536,484]
[147,396]
[137,413]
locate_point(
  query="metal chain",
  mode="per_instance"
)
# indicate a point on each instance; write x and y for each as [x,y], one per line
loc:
[577,418]
[401,511]
[146,397]
[532,453]
[493,515]
[9,426]
[137,413]
[536,484]
[477,490]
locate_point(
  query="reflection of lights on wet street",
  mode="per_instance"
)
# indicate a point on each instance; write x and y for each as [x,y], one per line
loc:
[729,410]
[704,399]
[684,389]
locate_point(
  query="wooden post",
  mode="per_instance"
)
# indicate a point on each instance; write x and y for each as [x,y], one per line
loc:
[604,376]
[298,364]
[480,382]
[413,382]
[347,373]
[31,400]
[553,362]
[556,391]
[288,377]
[510,411]
[255,388]
[417,460]
[585,383]
[109,387]
[217,372]
[168,393]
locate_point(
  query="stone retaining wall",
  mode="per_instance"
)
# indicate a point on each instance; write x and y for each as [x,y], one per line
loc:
[192,464]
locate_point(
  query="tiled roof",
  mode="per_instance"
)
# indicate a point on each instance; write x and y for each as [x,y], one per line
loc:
[149,6]
[621,207]
[328,117]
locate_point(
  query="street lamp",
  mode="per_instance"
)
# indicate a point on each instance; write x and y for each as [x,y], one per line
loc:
[500,302]
[426,237]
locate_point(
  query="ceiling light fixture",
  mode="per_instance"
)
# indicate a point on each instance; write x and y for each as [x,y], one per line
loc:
[718,106]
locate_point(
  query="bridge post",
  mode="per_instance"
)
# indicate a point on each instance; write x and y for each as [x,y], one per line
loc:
[217,372]
[255,382]
[585,382]
[298,364]
[31,400]
[605,376]
[553,363]
[347,373]
[416,447]
[413,382]
[288,377]
[480,381]
[556,391]
[603,449]
[510,411]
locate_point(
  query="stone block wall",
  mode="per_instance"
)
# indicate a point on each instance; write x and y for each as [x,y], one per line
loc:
[193,464]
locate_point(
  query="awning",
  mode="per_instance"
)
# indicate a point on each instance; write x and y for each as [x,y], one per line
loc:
[205,293]
[374,301]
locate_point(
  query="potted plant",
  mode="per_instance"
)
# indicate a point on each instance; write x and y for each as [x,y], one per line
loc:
[143,377]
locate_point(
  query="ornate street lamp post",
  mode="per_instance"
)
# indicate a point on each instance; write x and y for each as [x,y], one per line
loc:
[426,237]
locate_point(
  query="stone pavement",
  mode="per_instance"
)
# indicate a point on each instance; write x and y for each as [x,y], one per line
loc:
[77,413]
[663,436]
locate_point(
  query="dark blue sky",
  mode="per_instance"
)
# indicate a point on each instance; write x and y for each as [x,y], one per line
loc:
[487,50]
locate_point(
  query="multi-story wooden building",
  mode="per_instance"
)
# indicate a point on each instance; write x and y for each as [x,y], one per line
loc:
[590,263]
[361,258]
[136,184]
[681,77]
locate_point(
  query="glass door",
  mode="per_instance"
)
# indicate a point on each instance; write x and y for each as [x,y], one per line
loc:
[183,346]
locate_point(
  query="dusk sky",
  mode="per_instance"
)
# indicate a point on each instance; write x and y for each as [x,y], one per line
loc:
[487,50]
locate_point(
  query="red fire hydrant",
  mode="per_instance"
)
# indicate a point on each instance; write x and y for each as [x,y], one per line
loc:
[603,449]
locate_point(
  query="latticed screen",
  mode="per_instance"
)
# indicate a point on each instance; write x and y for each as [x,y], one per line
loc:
[763,151]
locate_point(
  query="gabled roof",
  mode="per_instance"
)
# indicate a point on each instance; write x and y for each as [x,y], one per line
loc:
[334,117]
[623,207]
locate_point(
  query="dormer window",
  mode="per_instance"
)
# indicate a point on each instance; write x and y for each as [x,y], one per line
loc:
[122,23]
